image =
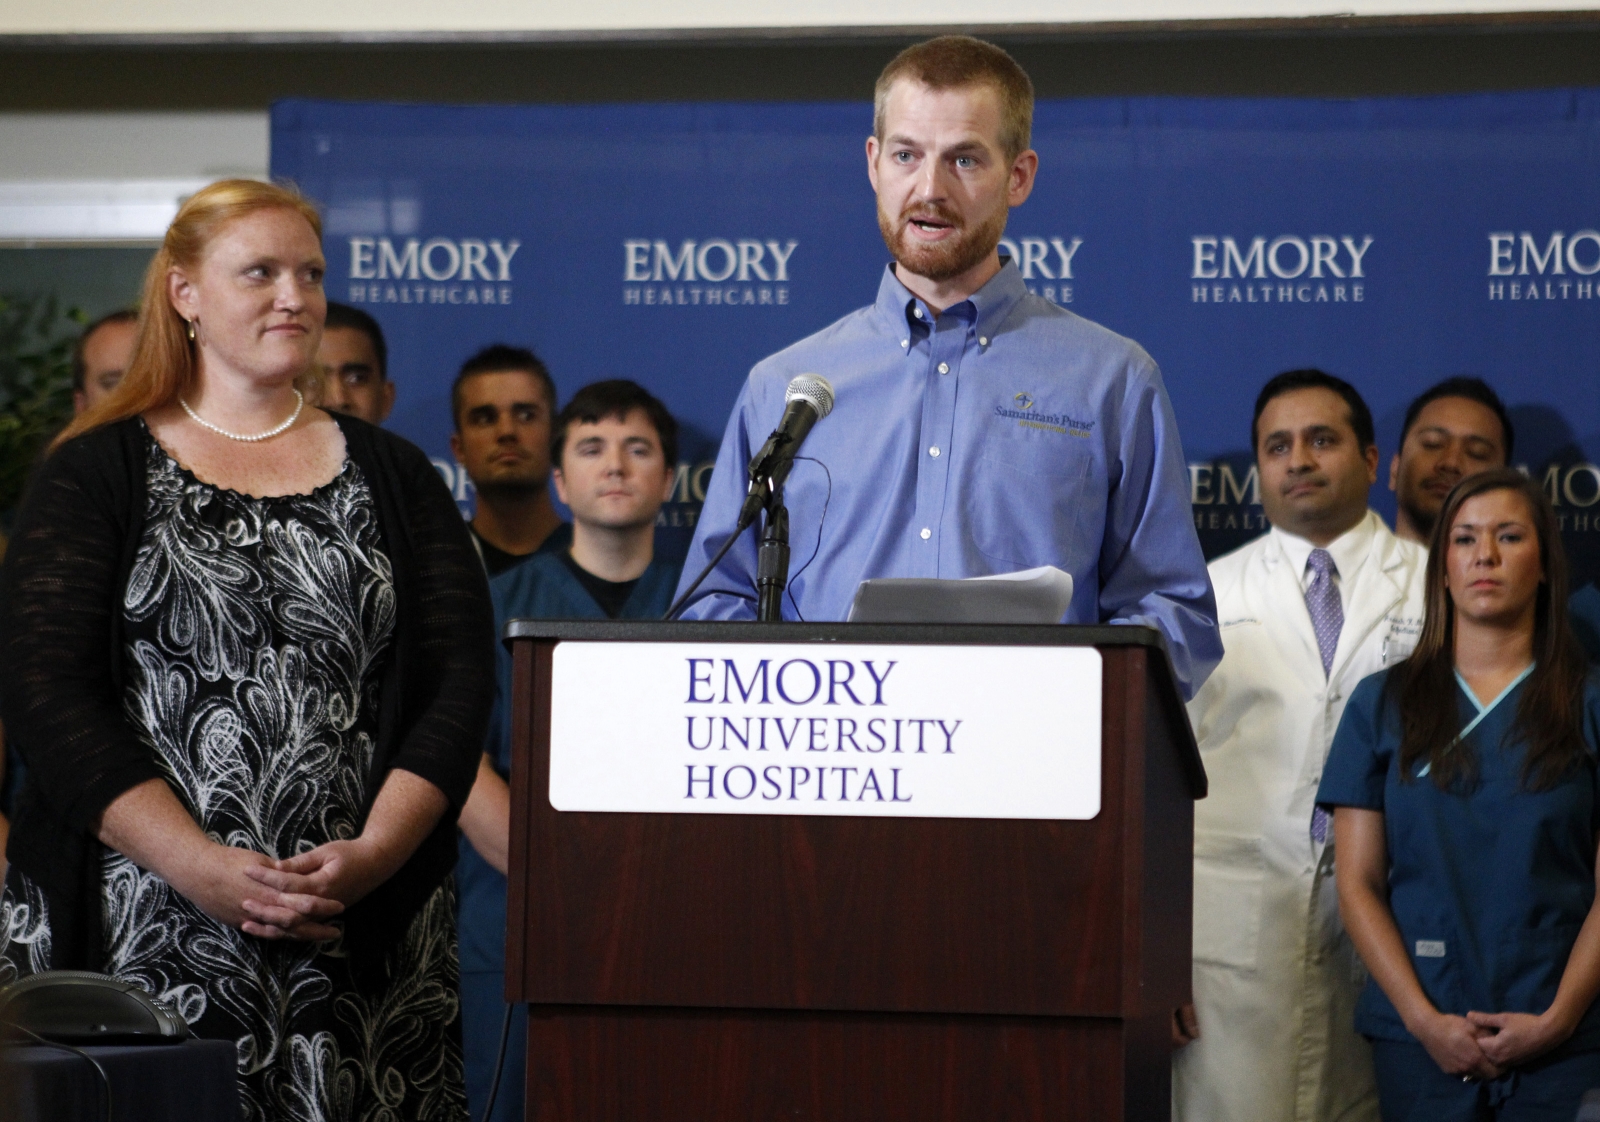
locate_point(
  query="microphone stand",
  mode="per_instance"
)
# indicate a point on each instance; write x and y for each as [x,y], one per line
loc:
[772,558]
[768,472]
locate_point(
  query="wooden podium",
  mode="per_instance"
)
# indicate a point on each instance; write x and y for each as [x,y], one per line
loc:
[711,967]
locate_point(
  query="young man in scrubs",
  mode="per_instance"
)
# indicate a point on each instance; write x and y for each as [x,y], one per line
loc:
[1452,429]
[355,365]
[1320,601]
[503,403]
[615,452]
[1467,806]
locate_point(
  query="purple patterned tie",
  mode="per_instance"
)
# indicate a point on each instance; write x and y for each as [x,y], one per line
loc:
[1327,619]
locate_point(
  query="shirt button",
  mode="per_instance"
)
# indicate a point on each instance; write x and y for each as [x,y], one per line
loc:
[983,340]
[934,451]
[944,368]
[917,312]
[926,533]
[905,342]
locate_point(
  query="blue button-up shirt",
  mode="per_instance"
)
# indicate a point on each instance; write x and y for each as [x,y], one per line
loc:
[1003,434]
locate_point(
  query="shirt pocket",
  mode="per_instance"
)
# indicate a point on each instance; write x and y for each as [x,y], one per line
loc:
[1434,946]
[1229,874]
[1027,503]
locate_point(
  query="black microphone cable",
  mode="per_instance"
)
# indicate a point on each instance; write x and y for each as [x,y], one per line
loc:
[770,466]
[499,1061]
[105,1079]
[822,521]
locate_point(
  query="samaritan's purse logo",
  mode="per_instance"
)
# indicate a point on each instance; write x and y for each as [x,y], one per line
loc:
[1024,415]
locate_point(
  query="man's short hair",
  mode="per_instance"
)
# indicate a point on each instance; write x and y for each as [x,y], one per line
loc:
[80,369]
[1312,378]
[343,315]
[615,397]
[957,61]
[499,358]
[1473,389]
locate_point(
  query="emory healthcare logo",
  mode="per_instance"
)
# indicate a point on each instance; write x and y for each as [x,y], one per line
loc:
[431,271]
[1317,269]
[1047,259]
[1547,272]
[714,272]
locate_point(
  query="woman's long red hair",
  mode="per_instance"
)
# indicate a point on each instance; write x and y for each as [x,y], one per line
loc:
[164,364]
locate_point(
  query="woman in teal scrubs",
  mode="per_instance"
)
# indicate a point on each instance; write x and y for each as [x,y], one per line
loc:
[1466,814]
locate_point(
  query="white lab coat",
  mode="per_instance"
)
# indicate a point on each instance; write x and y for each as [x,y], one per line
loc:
[1275,976]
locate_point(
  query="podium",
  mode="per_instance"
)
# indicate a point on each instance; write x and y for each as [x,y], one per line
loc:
[718,966]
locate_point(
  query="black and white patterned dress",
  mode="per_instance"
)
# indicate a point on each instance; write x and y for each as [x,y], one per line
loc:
[257,630]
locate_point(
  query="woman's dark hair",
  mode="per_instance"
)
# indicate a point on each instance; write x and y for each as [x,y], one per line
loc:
[1549,712]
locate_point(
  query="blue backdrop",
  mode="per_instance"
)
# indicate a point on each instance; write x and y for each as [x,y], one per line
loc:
[1391,241]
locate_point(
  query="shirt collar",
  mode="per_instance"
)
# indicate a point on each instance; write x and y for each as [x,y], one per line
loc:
[1349,549]
[985,310]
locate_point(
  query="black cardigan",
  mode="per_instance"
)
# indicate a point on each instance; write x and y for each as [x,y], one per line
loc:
[61,670]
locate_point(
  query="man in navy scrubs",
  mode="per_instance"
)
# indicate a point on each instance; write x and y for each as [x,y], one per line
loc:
[614,449]
[1453,429]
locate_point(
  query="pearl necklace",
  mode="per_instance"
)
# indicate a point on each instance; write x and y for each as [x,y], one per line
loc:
[300,403]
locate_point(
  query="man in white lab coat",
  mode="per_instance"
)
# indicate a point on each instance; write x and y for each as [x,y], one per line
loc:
[1307,610]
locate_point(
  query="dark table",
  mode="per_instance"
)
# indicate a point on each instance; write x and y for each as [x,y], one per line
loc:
[195,1081]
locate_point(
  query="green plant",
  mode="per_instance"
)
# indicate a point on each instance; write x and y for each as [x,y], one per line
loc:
[36,339]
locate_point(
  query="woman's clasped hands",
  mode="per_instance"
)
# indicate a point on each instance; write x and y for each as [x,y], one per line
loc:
[1485,1045]
[306,890]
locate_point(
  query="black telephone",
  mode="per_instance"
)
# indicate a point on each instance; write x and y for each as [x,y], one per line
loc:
[83,1008]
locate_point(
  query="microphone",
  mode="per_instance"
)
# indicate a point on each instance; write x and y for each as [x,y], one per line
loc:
[809,398]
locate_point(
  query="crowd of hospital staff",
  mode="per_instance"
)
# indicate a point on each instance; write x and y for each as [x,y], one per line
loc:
[227,573]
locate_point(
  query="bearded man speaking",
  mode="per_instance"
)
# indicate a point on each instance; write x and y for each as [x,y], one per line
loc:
[977,429]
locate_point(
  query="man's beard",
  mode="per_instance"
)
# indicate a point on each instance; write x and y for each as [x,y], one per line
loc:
[509,490]
[1422,519]
[949,258]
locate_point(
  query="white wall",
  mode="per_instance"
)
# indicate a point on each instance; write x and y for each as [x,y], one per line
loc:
[378,18]
[115,177]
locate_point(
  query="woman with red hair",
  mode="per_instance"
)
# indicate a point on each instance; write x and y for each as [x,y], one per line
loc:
[248,659]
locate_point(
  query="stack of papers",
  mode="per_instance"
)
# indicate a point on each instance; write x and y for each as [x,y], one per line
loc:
[1039,595]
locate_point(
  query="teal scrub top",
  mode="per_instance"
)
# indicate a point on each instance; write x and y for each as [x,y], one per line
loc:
[542,587]
[1583,609]
[1488,887]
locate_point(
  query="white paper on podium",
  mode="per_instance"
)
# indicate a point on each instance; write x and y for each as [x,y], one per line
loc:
[1040,595]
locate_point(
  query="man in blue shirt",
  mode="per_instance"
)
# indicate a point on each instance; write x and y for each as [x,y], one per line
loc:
[977,429]
[614,449]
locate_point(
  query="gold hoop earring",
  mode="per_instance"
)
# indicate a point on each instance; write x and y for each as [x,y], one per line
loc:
[191,331]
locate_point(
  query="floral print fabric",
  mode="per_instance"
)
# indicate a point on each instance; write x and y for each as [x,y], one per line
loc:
[257,631]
